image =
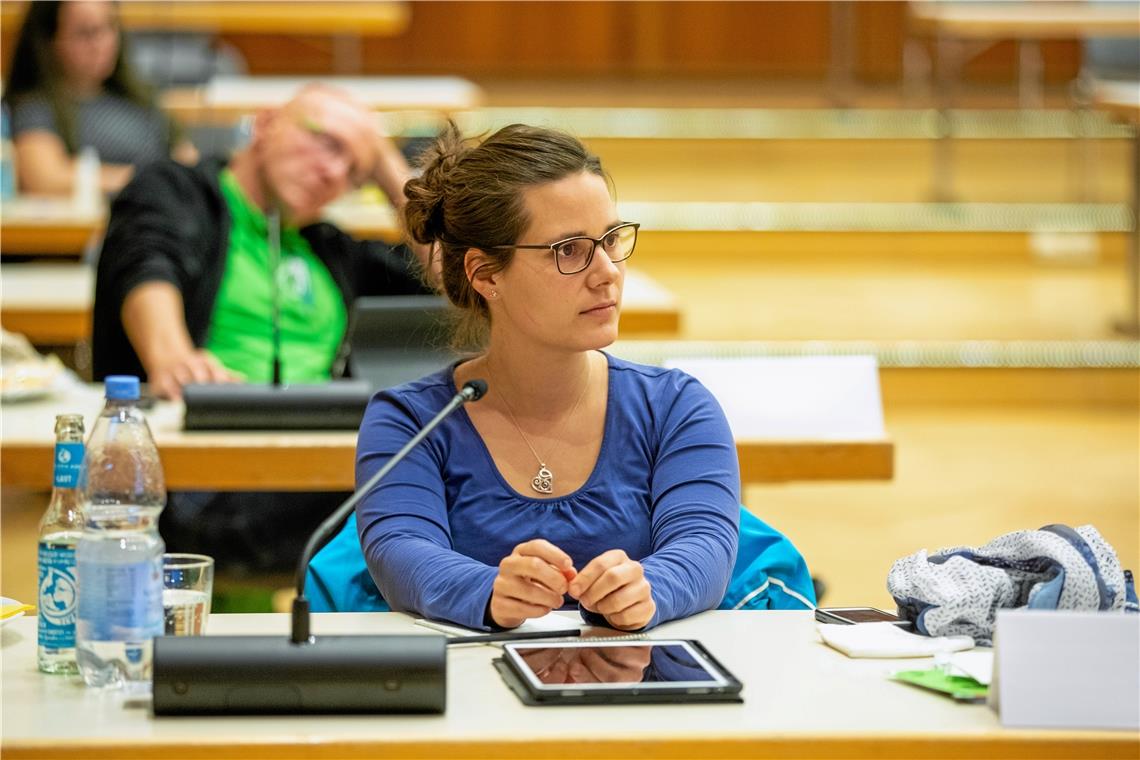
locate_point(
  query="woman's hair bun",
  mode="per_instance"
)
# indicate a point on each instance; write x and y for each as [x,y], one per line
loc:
[426,193]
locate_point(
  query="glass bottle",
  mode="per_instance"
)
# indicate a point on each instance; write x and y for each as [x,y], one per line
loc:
[60,529]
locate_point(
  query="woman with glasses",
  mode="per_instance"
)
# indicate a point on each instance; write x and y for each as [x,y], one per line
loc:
[578,479]
[70,87]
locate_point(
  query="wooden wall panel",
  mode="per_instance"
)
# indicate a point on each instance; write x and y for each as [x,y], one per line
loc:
[771,40]
[575,39]
[880,29]
[774,39]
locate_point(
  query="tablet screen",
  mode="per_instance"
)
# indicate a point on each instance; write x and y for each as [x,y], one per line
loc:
[607,665]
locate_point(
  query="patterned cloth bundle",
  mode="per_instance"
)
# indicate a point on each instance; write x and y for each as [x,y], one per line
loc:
[958,591]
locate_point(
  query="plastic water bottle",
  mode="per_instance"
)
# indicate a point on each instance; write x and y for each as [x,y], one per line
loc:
[119,556]
[7,157]
[87,193]
[59,532]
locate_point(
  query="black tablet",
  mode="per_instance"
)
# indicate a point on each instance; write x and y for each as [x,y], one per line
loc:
[616,671]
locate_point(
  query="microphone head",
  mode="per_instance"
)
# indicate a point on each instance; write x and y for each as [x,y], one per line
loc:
[474,389]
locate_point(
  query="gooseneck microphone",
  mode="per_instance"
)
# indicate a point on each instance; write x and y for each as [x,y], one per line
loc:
[472,390]
[302,673]
[274,243]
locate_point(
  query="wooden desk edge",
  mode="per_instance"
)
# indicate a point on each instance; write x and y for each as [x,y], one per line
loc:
[327,465]
[1041,745]
[47,326]
[47,239]
[70,241]
[51,326]
[191,107]
[934,19]
[1128,113]
[784,461]
[388,19]
[639,320]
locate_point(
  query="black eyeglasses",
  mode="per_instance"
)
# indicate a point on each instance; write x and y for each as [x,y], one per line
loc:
[575,254]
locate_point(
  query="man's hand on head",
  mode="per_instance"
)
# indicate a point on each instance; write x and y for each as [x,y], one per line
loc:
[390,171]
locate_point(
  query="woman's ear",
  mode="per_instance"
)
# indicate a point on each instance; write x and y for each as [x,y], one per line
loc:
[479,273]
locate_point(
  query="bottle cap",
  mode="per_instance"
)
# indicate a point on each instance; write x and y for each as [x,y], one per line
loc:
[122,387]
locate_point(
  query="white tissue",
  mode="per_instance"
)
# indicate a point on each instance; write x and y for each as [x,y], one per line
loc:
[888,640]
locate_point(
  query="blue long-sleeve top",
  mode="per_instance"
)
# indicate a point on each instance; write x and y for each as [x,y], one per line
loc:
[665,488]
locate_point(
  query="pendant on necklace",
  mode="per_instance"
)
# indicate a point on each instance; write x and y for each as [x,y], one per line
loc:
[543,482]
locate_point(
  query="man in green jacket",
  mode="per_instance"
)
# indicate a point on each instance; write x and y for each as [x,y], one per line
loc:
[185,286]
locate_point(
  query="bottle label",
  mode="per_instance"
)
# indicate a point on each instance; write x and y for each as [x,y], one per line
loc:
[68,465]
[57,596]
[120,602]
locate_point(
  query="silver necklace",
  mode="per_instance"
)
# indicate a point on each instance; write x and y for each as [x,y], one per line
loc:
[543,481]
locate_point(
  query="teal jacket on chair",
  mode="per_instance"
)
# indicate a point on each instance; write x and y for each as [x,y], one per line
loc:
[769,574]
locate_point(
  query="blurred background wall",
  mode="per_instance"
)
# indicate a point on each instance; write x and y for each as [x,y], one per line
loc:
[778,40]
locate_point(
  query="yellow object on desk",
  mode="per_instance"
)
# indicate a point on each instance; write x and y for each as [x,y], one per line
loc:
[15,610]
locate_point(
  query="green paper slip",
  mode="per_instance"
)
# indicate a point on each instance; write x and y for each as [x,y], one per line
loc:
[962,688]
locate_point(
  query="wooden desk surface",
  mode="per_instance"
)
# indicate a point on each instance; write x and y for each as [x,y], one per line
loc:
[1029,20]
[54,227]
[374,17]
[227,98]
[51,303]
[316,461]
[1121,99]
[48,227]
[801,699]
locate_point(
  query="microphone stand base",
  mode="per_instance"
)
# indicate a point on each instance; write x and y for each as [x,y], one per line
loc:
[266,675]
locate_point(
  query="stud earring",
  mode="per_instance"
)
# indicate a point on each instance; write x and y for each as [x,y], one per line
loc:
[494,294]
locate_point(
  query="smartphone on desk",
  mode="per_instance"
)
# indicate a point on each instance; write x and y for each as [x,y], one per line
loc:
[852,615]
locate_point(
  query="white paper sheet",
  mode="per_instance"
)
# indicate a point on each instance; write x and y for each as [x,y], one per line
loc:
[976,663]
[887,640]
[808,397]
[551,621]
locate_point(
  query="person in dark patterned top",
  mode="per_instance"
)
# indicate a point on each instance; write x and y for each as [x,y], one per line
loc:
[70,87]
